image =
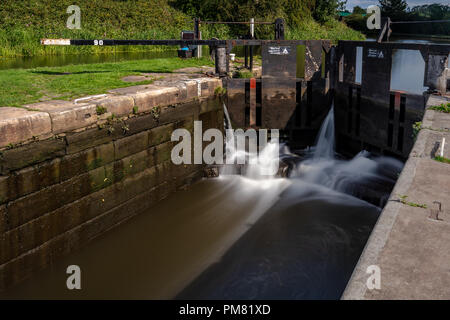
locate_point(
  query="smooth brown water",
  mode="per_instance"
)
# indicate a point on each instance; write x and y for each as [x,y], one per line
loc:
[277,239]
[304,247]
[159,252]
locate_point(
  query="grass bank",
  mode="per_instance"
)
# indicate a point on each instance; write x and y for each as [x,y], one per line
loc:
[23,23]
[24,86]
[332,30]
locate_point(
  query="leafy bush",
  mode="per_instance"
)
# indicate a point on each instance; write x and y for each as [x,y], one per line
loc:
[357,22]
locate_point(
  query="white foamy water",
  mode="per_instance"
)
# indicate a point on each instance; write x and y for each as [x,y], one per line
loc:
[325,140]
[363,173]
[259,165]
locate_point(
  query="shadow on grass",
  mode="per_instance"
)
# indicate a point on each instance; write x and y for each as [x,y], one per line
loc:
[56,73]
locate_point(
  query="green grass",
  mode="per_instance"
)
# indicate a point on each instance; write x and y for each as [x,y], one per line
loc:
[442,108]
[244,74]
[441,159]
[24,86]
[331,30]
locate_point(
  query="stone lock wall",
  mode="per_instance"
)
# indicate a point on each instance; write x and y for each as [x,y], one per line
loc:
[70,172]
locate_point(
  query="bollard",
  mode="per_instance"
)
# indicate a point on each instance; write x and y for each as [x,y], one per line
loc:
[246,57]
[221,61]
[251,59]
[198,52]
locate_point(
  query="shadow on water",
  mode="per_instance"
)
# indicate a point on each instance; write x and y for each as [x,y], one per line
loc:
[305,247]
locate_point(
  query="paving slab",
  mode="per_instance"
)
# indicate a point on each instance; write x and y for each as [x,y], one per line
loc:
[410,244]
[18,125]
[203,69]
[66,115]
[415,261]
[119,105]
[56,117]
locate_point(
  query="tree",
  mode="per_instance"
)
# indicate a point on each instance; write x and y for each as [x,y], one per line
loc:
[327,9]
[433,11]
[427,12]
[295,12]
[395,9]
[358,10]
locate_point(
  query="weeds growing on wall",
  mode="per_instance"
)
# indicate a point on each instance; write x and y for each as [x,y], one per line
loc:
[441,108]
[441,159]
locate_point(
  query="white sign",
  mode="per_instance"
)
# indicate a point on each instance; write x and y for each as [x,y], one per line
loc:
[279,50]
[55,42]
[375,53]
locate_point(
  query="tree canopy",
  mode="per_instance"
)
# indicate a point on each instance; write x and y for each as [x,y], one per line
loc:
[393,8]
[242,10]
[358,10]
[397,10]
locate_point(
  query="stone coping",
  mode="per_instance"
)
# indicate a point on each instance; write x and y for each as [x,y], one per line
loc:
[43,120]
[407,243]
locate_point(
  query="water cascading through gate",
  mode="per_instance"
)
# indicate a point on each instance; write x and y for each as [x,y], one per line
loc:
[307,239]
[364,174]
